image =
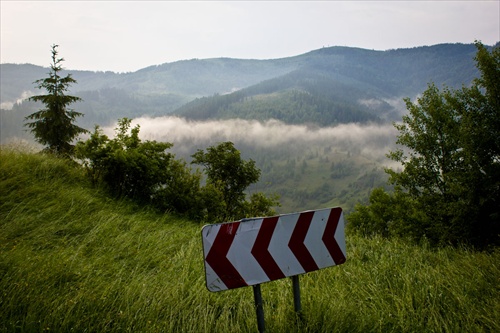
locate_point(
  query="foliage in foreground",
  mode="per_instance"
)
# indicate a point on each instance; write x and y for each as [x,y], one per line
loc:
[72,259]
[449,189]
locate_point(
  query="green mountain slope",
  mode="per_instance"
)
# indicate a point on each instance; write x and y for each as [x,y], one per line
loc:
[356,75]
[155,89]
[300,97]
[314,175]
[342,85]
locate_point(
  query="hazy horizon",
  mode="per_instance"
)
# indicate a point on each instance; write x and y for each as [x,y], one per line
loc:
[124,36]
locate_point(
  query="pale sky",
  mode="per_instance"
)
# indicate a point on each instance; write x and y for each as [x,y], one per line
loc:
[125,36]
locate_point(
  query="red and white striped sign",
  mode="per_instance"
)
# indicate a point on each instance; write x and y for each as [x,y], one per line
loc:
[253,251]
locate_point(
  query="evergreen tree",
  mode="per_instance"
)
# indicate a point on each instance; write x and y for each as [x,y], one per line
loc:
[53,126]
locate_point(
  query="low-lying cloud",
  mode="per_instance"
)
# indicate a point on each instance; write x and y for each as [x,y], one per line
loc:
[372,140]
[8,105]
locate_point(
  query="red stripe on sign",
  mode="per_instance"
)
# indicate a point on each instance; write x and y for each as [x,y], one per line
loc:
[296,243]
[329,236]
[260,249]
[217,256]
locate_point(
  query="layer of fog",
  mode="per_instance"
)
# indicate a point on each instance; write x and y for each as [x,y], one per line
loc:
[8,105]
[371,140]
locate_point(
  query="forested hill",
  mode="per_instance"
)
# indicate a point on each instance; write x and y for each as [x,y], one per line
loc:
[326,86]
[342,85]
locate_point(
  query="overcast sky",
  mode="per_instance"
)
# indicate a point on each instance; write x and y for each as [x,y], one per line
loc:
[124,36]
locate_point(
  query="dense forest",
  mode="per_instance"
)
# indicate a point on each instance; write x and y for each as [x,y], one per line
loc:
[299,97]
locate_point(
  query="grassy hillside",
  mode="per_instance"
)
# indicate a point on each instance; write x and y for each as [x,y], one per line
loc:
[72,259]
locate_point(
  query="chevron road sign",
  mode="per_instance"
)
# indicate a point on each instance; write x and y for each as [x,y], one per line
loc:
[257,250]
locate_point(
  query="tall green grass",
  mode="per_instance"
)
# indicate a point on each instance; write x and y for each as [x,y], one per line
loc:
[74,260]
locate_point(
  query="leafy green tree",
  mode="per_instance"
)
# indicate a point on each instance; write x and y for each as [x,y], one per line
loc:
[93,153]
[430,133]
[388,214]
[478,183]
[451,164]
[180,192]
[139,170]
[228,176]
[129,167]
[54,125]
[261,205]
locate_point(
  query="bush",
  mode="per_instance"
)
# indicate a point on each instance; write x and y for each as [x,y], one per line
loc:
[140,170]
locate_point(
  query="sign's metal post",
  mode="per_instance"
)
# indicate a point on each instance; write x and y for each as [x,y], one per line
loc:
[259,307]
[296,294]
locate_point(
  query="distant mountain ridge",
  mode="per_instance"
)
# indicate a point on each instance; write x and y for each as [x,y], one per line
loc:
[343,84]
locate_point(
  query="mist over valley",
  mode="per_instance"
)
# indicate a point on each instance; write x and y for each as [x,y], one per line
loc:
[318,125]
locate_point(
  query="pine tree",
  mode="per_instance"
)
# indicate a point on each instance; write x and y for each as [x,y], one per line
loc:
[54,125]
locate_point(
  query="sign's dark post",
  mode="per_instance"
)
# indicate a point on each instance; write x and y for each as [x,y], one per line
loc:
[296,294]
[259,308]
[253,251]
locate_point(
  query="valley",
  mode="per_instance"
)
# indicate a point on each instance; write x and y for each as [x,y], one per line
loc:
[318,125]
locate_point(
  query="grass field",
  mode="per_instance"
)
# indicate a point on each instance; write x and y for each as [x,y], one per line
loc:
[74,260]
